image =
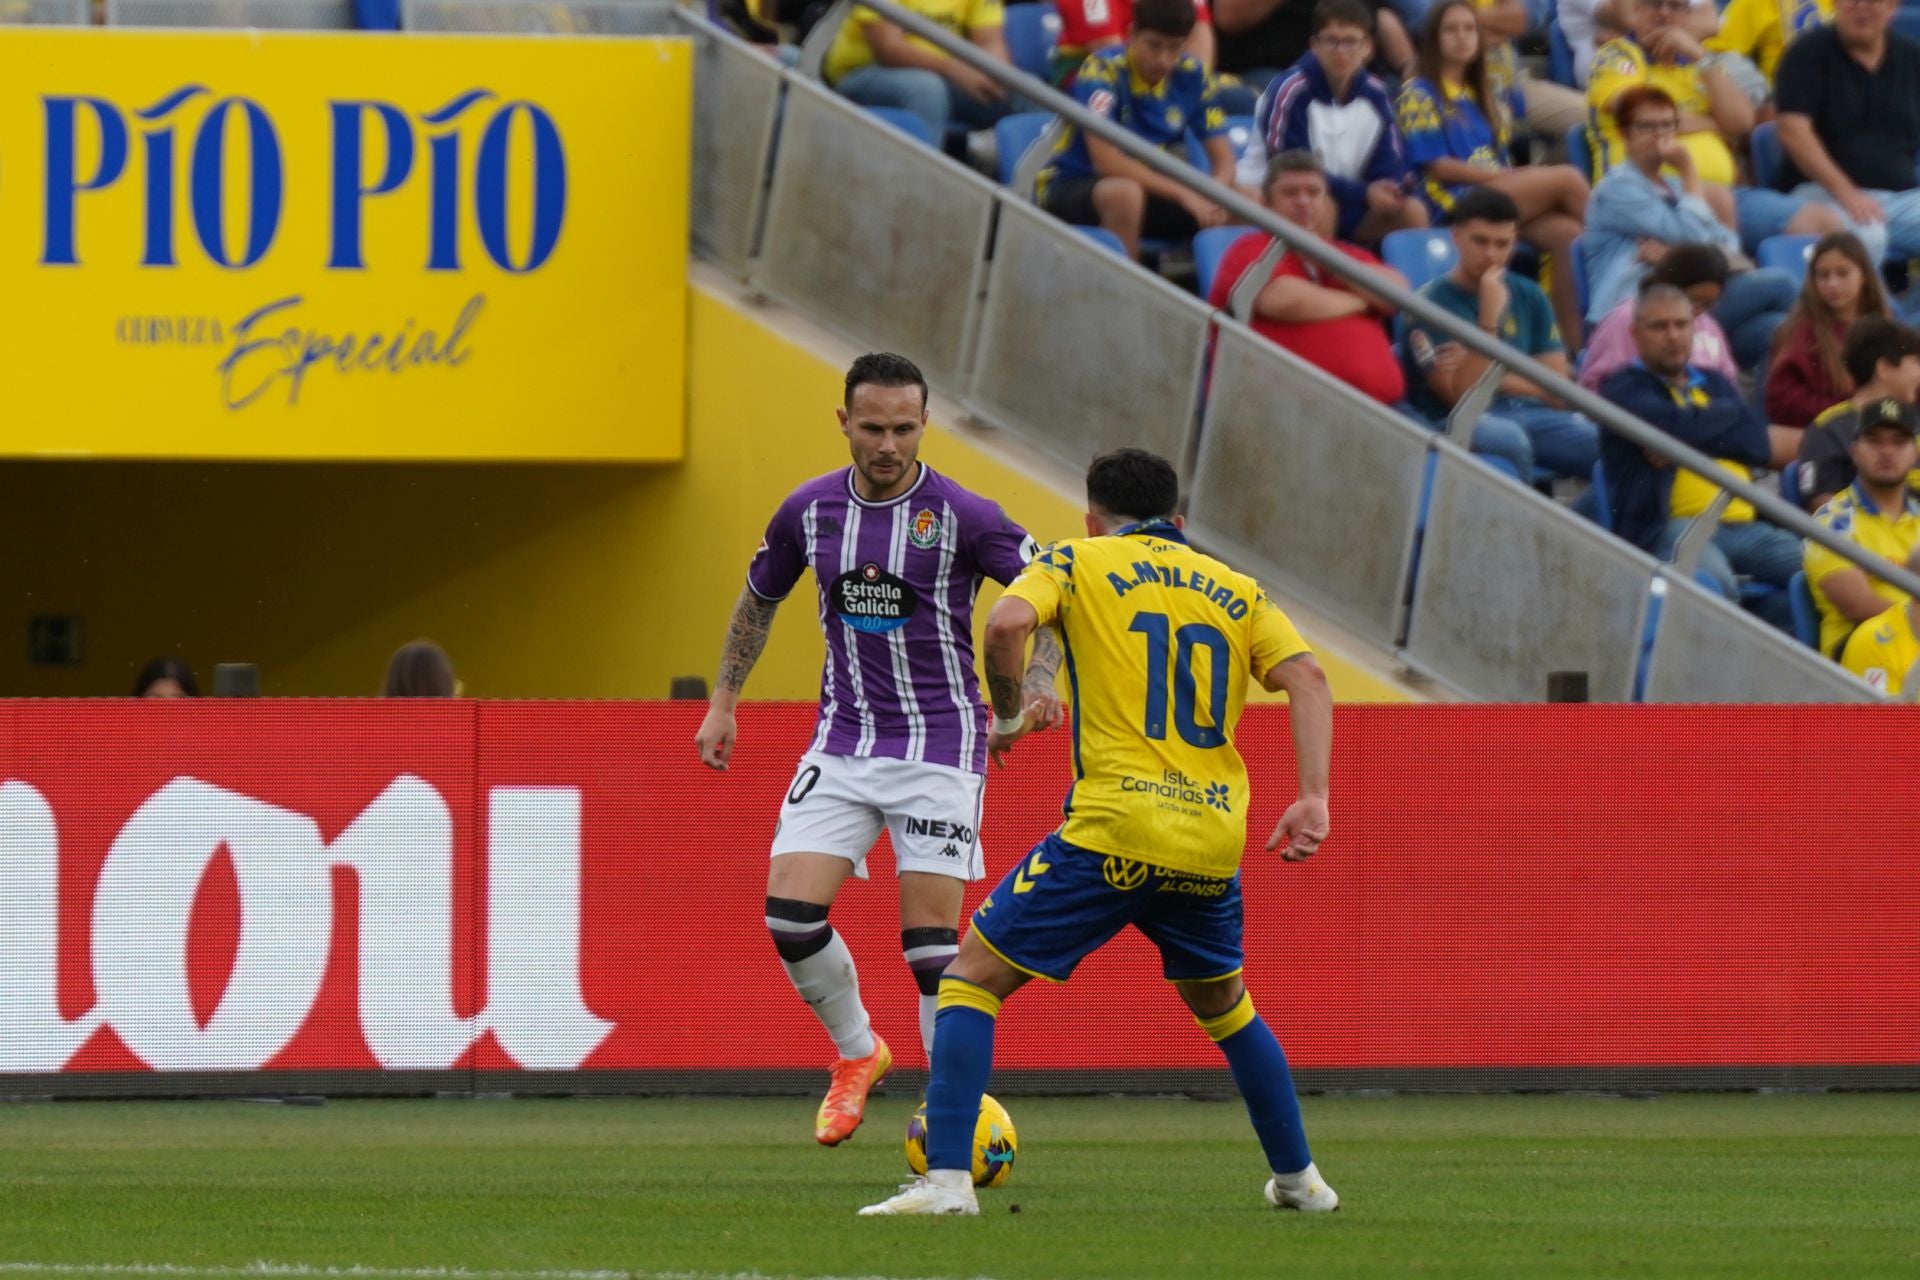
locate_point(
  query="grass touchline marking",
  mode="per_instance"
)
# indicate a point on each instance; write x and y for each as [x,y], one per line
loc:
[264,1270]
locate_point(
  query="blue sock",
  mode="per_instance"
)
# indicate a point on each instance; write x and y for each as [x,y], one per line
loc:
[1260,1069]
[962,1062]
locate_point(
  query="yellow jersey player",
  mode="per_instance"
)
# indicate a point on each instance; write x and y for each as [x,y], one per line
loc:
[1160,642]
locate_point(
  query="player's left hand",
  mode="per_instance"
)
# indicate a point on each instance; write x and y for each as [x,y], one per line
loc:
[1302,829]
[998,744]
[1043,708]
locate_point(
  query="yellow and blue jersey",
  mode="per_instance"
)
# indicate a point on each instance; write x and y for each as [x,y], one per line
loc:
[1761,29]
[1443,121]
[1619,65]
[1883,650]
[1160,642]
[1891,535]
[1185,101]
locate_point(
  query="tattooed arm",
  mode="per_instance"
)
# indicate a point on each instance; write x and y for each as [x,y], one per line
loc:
[1038,691]
[1005,658]
[746,637]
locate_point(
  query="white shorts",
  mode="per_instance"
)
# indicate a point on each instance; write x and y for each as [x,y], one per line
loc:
[838,805]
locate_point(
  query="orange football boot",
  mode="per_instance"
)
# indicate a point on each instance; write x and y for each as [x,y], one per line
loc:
[846,1104]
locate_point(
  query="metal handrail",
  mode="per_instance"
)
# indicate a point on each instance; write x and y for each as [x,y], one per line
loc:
[1325,256]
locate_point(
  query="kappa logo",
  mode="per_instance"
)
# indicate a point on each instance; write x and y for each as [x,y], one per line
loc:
[1124,874]
[950,851]
[926,530]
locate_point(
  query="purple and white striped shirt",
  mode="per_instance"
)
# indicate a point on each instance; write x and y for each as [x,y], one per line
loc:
[897,584]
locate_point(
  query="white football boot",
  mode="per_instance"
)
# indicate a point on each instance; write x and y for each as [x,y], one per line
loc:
[1306,1191]
[942,1191]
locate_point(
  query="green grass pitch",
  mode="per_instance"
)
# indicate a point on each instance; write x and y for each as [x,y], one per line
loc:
[1688,1186]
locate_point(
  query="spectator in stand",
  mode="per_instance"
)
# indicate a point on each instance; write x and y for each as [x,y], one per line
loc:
[1319,317]
[1260,40]
[1808,373]
[1525,424]
[1653,502]
[877,64]
[1697,270]
[1588,24]
[1090,26]
[1877,512]
[1548,109]
[1758,32]
[166,678]
[421,670]
[1848,98]
[1662,52]
[1655,200]
[1883,359]
[1885,648]
[1332,106]
[1152,88]
[1455,123]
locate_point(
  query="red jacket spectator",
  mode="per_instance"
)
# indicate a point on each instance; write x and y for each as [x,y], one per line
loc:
[1352,348]
[1799,388]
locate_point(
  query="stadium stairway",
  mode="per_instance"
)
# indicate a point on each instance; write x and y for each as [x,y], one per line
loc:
[1434,566]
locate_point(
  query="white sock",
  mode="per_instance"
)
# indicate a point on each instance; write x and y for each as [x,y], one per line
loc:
[929,1010]
[951,1179]
[826,980]
[1298,1181]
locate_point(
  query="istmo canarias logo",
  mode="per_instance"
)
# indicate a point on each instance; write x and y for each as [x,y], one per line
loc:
[215,182]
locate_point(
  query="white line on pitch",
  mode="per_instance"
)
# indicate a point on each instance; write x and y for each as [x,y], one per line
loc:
[300,1270]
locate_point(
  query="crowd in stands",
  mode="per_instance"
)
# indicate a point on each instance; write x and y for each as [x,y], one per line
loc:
[418,669]
[1624,226]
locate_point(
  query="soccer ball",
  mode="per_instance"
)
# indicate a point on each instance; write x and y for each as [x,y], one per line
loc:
[994,1144]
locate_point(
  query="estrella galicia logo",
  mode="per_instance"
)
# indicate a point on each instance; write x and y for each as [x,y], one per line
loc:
[871,600]
[1218,797]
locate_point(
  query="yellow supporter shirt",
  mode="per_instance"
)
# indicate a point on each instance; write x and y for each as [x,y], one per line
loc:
[1882,650]
[851,51]
[1160,641]
[1691,493]
[1759,29]
[1893,537]
[1621,64]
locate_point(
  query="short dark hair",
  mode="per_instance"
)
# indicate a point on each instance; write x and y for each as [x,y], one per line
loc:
[1484,204]
[1298,160]
[420,669]
[1165,17]
[166,669]
[884,369]
[1688,264]
[1873,339]
[1133,484]
[1628,104]
[1342,13]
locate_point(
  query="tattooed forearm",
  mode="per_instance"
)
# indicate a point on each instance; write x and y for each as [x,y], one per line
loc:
[1045,662]
[1004,692]
[746,637]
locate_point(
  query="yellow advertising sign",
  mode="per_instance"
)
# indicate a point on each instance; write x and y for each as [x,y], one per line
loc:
[267,245]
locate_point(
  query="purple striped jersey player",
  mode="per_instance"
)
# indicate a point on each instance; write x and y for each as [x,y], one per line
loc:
[898,553]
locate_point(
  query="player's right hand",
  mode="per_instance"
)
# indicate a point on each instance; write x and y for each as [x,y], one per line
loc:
[715,738]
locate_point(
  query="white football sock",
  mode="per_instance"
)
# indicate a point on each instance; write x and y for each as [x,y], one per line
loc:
[929,1011]
[826,980]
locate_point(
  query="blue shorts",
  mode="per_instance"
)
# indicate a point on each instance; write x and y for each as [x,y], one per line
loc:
[1062,903]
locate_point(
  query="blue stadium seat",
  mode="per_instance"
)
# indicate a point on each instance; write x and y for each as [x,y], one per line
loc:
[1033,33]
[1579,152]
[1104,238]
[1014,135]
[1906,21]
[1602,499]
[1559,55]
[1786,253]
[1768,156]
[1209,247]
[1806,614]
[905,121]
[1790,484]
[1419,255]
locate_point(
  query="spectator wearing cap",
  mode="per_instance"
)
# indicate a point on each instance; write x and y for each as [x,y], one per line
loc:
[1158,92]
[1316,315]
[1884,649]
[1697,270]
[1332,106]
[1878,513]
[1883,358]
[1848,102]
[1653,501]
[1525,424]
[1655,200]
